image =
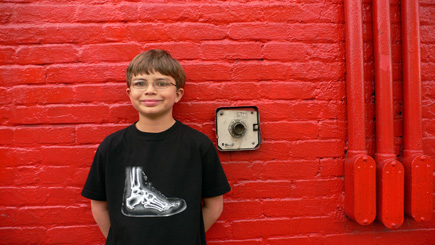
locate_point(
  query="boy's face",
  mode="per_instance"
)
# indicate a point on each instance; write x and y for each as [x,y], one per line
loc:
[154,101]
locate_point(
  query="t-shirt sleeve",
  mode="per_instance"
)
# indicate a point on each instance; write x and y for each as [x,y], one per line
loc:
[95,183]
[214,180]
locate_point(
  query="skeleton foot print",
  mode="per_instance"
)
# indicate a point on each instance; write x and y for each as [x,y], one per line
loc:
[141,199]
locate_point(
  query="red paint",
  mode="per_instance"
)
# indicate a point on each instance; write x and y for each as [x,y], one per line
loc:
[360,169]
[62,90]
[419,168]
[390,173]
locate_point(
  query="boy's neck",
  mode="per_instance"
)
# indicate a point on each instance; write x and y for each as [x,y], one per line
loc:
[150,125]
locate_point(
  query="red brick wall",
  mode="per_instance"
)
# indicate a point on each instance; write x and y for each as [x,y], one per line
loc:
[62,89]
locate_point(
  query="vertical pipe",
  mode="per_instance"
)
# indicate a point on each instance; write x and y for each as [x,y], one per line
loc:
[390,172]
[360,169]
[418,174]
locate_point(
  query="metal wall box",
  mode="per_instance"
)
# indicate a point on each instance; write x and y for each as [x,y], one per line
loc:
[238,128]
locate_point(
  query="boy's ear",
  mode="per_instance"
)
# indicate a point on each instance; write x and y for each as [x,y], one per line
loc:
[180,93]
[128,90]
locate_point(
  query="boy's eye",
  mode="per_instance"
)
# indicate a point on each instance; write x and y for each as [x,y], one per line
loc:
[140,84]
[161,84]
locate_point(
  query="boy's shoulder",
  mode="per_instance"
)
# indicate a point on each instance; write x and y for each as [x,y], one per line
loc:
[115,137]
[195,134]
[201,140]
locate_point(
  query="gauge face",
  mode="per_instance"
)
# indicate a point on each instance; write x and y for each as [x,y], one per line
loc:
[237,128]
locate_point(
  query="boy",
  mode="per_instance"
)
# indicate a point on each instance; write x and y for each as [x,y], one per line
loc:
[157,181]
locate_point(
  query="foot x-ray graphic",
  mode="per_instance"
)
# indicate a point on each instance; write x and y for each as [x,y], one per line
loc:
[141,199]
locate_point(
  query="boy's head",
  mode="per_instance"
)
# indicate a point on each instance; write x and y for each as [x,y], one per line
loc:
[156,60]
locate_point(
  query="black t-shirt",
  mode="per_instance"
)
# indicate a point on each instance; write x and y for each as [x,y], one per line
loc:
[154,183]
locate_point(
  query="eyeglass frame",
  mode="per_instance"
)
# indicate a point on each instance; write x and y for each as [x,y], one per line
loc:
[153,83]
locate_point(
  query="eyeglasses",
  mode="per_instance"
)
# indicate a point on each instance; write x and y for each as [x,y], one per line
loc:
[157,84]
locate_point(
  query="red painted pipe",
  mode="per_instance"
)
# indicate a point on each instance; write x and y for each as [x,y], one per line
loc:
[418,174]
[390,172]
[360,169]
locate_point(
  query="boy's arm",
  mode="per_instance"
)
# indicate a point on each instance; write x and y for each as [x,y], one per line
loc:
[212,210]
[101,216]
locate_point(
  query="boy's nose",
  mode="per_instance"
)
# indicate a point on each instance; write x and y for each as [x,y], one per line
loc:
[150,89]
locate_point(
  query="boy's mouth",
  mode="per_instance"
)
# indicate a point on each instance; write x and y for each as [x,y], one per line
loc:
[150,102]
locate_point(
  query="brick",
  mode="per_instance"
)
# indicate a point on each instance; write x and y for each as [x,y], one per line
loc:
[62,175]
[428,90]
[267,151]
[196,111]
[6,12]
[106,13]
[290,170]
[187,12]
[21,75]
[317,148]
[261,189]
[426,14]
[219,230]
[207,71]
[22,235]
[302,12]
[257,228]
[317,188]
[94,134]
[178,50]
[425,34]
[97,73]
[242,210]
[315,31]
[230,13]
[195,31]
[12,156]
[427,52]
[222,50]
[306,110]
[122,113]
[298,51]
[75,234]
[107,92]
[332,129]
[289,130]
[242,170]
[5,98]
[77,156]
[237,242]
[154,32]
[7,178]
[37,13]
[61,114]
[19,196]
[428,128]
[215,91]
[309,240]
[258,31]
[6,135]
[299,207]
[7,55]
[286,90]
[25,95]
[333,90]
[26,175]
[260,71]
[427,71]
[53,34]
[331,167]
[317,71]
[109,52]
[47,54]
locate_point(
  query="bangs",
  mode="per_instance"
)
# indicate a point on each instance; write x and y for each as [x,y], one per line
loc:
[154,61]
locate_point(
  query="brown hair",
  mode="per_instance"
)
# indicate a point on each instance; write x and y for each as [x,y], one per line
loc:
[156,60]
